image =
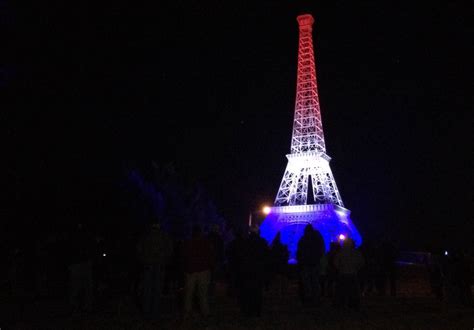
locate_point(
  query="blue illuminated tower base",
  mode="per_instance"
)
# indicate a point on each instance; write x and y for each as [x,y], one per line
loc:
[329,219]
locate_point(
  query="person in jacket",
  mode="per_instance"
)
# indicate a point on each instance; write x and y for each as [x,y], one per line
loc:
[253,261]
[279,256]
[309,253]
[154,250]
[348,262]
[81,254]
[198,260]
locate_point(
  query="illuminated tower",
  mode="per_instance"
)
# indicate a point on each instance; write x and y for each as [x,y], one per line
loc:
[297,204]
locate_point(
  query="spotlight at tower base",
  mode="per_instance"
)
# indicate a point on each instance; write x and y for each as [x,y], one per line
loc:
[342,237]
[266,210]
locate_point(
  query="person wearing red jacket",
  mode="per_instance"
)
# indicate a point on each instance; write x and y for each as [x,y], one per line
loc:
[198,261]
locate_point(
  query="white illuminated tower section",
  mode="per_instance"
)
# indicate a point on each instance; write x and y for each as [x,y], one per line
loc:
[308,159]
[296,205]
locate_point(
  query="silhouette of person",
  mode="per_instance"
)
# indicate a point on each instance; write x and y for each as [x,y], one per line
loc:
[81,256]
[154,250]
[458,286]
[42,264]
[367,274]
[334,249]
[465,279]
[233,254]
[17,270]
[309,253]
[279,256]
[198,261]
[323,275]
[389,265]
[253,260]
[386,268]
[174,277]
[217,242]
[435,270]
[348,262]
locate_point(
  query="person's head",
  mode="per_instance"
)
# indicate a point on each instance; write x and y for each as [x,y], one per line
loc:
[348,244]
[308,229]
[238,234]
[277,239]
[215,229]
[316,235]
[253,230]
[334,246]
[196,231]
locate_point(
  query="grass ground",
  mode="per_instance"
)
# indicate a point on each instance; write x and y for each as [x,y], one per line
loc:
[413,308]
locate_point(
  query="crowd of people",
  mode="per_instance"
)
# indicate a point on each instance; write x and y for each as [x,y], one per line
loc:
[189,270]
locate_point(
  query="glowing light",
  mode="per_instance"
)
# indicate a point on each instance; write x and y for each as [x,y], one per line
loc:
[266,209]
[445,253]
[342,237]
[104,254]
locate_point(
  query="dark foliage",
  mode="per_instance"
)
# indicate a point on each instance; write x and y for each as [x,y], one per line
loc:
[168,198]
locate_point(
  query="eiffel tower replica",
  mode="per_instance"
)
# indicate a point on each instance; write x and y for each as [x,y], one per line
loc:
[308,193]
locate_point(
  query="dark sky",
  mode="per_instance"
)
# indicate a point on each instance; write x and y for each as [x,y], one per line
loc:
[210,86]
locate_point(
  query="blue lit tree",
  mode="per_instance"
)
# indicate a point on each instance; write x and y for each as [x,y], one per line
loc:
[167,197]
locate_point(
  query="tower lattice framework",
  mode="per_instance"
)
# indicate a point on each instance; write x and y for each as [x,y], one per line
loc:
[308,161]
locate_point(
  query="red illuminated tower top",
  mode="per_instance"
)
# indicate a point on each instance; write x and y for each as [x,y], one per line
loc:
[307,126]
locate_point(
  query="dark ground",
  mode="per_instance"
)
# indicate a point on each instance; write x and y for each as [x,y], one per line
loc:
[414,308]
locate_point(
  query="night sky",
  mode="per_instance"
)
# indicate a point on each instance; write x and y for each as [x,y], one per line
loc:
[210,87]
